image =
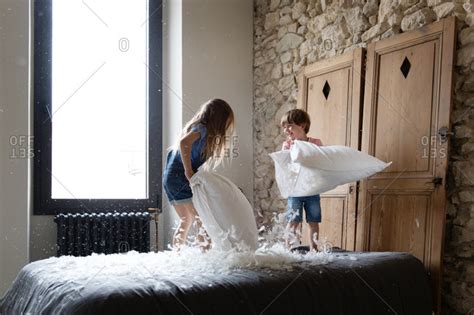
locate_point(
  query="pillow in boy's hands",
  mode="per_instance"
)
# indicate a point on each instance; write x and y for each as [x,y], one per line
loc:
[308,169]
[335,158]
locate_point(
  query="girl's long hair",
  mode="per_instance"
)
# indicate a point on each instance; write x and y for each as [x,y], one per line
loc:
[218,118]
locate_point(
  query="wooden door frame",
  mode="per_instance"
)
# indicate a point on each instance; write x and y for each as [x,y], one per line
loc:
[354,60]
[445,31]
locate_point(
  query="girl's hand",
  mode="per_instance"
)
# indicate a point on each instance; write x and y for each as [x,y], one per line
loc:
[189,174]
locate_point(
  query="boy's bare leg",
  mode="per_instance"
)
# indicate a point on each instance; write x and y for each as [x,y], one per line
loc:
[203,238]
[294,229]
[186,220]
[313,235]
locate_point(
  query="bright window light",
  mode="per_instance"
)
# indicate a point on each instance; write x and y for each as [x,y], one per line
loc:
[100,99]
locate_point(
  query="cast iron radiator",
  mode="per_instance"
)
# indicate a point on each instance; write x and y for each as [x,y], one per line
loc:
[112,232]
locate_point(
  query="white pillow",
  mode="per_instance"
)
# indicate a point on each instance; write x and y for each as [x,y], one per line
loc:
[308,169]
[334,158]
[225,212]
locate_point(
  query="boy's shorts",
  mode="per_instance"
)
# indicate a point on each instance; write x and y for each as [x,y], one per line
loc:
[311,205]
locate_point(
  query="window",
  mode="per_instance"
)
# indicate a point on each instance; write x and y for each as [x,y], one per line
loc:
[97,105]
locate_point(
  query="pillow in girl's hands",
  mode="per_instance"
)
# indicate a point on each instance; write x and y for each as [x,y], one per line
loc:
[308,169]
[224,210]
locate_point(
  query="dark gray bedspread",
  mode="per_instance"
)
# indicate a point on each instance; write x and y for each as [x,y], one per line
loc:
[370,283]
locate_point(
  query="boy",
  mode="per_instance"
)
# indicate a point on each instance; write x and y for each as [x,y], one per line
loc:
[295,124]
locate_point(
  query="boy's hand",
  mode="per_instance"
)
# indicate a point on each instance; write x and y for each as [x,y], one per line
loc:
[189,174]
[287,144]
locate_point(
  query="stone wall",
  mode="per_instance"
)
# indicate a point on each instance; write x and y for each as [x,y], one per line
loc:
[290,34]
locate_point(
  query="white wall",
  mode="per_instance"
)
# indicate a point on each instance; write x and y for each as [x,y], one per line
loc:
[217,58]
[172,95]
[217,63]
[14,125]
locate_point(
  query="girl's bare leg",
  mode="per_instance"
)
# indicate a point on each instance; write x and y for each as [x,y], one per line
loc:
[186,220]
[203,238]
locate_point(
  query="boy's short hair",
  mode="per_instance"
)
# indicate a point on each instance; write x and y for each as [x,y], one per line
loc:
[297,117]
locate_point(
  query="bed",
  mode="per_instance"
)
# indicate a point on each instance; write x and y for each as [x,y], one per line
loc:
[222,283]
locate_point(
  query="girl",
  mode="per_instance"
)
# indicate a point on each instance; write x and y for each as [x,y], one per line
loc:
[202,138]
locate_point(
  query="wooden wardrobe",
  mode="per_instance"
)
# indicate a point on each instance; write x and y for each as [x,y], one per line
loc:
[392,101]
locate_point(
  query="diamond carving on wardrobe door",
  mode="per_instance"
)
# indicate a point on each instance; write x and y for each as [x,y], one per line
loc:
[405,67]
[326,89]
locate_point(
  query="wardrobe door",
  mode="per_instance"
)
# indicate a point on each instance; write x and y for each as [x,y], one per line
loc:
[406,120]
[330,91]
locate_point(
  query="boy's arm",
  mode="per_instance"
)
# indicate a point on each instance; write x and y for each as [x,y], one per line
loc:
[185,145]
[315,141]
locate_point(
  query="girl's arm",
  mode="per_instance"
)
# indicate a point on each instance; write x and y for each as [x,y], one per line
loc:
[185,145]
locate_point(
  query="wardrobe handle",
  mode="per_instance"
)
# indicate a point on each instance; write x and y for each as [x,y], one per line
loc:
[443,134]
[437,181]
